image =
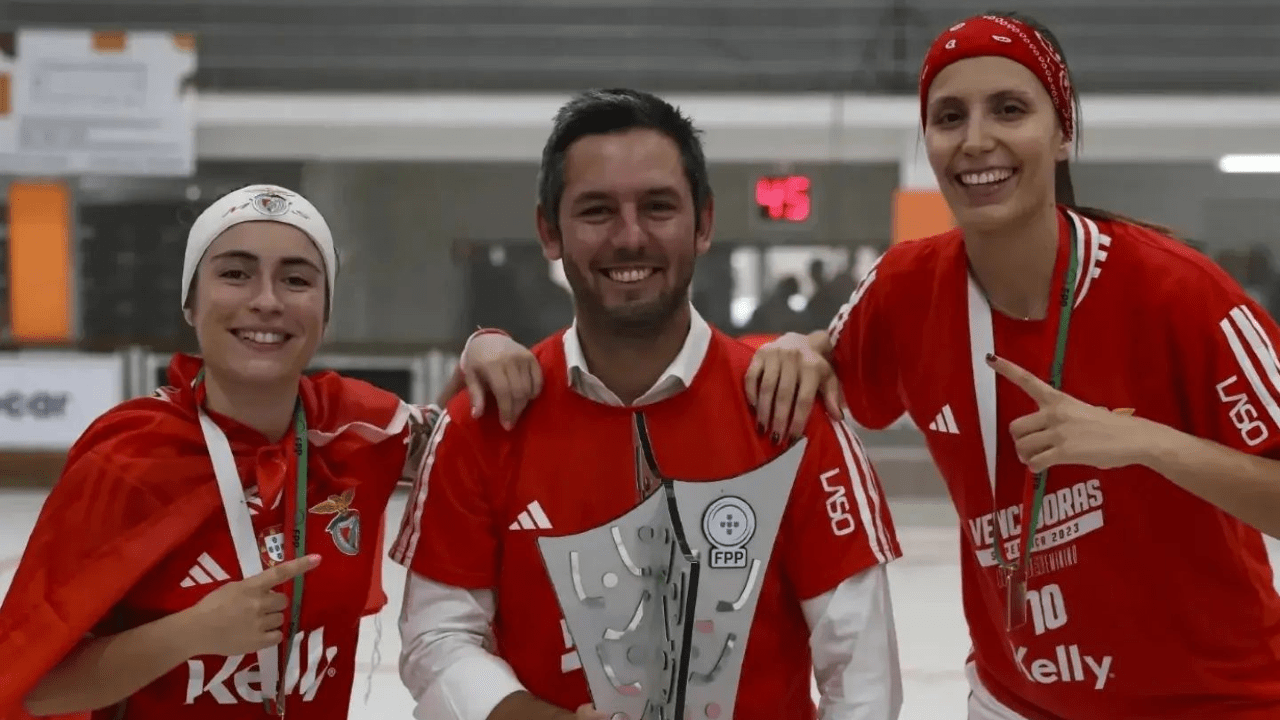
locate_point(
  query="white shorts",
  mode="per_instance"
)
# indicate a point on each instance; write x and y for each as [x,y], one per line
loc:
[982,706]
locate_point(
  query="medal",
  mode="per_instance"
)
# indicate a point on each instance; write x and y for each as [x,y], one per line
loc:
[1015,579]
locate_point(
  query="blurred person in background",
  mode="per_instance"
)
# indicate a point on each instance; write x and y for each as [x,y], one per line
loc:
[1131,581]
[1262,279]
[209,551]
[625,202]
[828,295]
[775,313]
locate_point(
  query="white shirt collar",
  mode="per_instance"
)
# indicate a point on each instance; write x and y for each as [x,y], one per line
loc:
[678,375]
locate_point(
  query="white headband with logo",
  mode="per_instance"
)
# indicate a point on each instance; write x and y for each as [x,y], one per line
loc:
[258,202]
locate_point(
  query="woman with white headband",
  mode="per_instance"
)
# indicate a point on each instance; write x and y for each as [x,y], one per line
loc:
[209,551]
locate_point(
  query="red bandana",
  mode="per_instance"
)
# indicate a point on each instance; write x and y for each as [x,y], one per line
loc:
[987,35]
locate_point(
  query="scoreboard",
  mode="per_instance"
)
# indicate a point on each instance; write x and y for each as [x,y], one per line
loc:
[781,204]
[784,198]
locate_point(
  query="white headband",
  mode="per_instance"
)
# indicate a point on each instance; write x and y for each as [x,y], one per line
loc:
[258,202]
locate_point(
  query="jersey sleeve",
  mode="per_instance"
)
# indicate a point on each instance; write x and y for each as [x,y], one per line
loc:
[448,534]
[862,353]
[837,522]
[1233,374]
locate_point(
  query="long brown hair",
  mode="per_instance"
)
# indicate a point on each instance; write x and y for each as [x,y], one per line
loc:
[1064,188]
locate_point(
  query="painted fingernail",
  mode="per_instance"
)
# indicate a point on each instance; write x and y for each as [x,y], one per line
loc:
[991,357]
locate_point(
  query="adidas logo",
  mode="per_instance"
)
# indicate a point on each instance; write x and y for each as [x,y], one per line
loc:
[204,572]
[253,499]
[531,519]
[945,422]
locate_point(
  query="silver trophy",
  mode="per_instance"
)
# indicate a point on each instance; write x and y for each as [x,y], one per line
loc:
[660,601]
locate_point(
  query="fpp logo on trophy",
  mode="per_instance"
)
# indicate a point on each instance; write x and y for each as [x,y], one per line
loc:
[728,524]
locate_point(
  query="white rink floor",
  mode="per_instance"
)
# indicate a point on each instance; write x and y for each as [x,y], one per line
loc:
[925,586]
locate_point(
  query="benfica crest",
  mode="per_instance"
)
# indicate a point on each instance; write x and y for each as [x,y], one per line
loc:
[345,527]
[660,601]
[271,204]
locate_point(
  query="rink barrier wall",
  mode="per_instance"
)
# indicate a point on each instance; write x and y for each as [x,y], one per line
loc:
[48,398]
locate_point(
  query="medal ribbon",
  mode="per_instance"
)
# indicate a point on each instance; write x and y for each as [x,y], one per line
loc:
[295,525]
[1033,488]
[298,520]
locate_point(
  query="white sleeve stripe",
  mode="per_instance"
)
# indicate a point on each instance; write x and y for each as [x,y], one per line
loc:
[870,486]
[859,480]
[411,527]
[1263,351]
[1271,350]
[879,504]
[842,317]
[1247,364]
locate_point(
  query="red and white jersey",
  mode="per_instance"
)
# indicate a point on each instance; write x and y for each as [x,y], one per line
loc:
[486,494]
[134,531]
[1144,601]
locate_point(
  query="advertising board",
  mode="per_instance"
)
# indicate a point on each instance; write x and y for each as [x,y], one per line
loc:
[48,399]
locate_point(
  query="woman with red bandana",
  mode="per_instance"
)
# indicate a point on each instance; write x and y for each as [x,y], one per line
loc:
[1102,401]
[209,551]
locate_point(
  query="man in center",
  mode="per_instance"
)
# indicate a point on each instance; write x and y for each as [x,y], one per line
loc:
[625,202]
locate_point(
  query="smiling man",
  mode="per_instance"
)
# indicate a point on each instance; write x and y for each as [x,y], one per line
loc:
[625,202]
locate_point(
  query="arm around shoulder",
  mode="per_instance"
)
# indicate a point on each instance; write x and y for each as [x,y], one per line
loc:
[861,344]
[493,364]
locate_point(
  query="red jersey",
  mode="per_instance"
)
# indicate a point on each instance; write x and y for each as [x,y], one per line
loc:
[1144,601]
[134,531]
[463,528]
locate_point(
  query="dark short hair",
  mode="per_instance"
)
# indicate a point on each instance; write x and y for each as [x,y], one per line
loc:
[610,110]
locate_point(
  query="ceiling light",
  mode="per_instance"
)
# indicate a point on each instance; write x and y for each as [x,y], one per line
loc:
[1249,164]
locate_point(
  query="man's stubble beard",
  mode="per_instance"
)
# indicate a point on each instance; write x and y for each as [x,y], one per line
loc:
[646,321]
[635,322]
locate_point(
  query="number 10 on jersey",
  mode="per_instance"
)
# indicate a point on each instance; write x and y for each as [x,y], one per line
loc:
[1048,608]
